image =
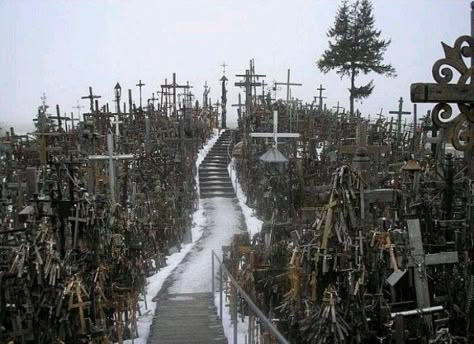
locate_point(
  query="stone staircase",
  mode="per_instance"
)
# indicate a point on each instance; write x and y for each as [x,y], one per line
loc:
[214,180]
[186,319]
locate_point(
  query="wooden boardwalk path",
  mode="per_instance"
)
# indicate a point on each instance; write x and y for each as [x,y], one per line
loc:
[186,318]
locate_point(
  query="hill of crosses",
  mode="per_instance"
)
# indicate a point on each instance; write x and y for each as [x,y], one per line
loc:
[150,220]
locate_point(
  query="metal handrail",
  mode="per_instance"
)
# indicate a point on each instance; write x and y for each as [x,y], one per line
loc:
[268,324]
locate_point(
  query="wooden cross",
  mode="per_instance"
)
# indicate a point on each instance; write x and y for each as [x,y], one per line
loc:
[321,89]
[76,220]
[239,105]
[361,138]
[275,135]
[58,117]
[91,98]
[288,84]
[248,84]
[338,108]
[399,113]
[174,86]
[140,85]
[419,260]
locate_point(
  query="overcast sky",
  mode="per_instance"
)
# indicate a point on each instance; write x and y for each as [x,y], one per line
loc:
[63,47]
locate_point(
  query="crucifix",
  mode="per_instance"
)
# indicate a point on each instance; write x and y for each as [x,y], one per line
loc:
[321,89]
[275,135]
[140,85]
[91,98]
[288,84]
[399,113]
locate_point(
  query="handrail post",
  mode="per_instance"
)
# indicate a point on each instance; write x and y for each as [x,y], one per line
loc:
[220,291]
[236,320]
[213,277]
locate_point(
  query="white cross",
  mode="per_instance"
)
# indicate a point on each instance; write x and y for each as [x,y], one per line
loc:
[111,157]
[275,135]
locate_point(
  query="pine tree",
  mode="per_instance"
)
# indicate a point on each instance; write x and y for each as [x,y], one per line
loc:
[355,47]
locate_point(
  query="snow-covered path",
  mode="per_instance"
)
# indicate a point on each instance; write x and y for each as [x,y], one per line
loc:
[223,219]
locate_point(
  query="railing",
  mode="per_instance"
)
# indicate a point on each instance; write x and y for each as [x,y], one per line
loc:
[238,291]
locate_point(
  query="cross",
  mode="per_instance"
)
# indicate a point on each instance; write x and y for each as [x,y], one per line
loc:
[275,134]
[399,113]
[288,84]
[321,89]
[239,105]
[111,157]
[58,117]
[91,98]
[361,138]
[153,99]
[205,94]
[78,107]
[43,100]
[174,86]
[419,260]
[338,108]
[140,85]
[223,66]
[76,220]
[247,83]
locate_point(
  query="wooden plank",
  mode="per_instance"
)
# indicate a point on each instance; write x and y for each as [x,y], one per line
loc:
[435,93]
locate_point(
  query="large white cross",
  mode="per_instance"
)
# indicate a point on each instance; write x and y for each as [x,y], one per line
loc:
[111,157]
[275,135]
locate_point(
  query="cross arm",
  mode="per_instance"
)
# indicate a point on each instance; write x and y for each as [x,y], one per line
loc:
[436,93]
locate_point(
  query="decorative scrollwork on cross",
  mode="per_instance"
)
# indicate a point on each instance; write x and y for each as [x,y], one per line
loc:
[445,93]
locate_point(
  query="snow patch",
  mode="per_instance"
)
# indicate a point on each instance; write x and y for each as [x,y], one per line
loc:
[254,224]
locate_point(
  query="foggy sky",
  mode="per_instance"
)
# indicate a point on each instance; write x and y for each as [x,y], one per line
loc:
[63,47]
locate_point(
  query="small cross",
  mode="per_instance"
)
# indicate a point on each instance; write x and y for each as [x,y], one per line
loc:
[321,89]
[140,85]
[338,108]
[223,66]
[399,113]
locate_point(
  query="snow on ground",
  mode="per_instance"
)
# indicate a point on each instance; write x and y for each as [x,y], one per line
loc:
[155,282]
[254,225]
[223,220]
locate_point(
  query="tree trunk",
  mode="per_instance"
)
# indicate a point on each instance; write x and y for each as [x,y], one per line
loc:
[351,98]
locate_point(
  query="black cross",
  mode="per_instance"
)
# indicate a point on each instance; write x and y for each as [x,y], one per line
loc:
[140,85]
[91,98]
